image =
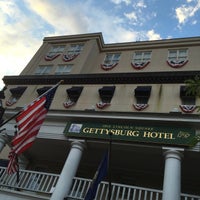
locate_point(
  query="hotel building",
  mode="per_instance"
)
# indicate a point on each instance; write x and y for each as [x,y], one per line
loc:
[129,98]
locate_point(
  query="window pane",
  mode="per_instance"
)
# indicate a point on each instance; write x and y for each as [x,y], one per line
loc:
[56,49]
[141,56]
[172,54]
[111,58]
[63,69]
[43,70]
[75,48]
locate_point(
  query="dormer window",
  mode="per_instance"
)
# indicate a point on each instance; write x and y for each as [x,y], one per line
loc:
[110,61]
[142,94]
[187,101]
[16,93]
[141,59]
[73,94]
[73,52]
[177,57]
[54,52]
[105,93]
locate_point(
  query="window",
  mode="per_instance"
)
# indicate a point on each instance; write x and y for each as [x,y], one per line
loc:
[42,70]
[16,93]
[141,59]
[58,49]
[106,93]
[187,101]
[73,94]
[112,58]
[110,61]
[142,94]
[63,69]
[54,52]
[180,54]
[75,49]
[177,57]
[72,52]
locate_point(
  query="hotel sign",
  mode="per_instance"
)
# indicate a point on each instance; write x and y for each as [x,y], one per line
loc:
[175,136]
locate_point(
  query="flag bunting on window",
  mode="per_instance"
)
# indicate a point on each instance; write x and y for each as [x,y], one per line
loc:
[188,108]
[176,63]
[140,107]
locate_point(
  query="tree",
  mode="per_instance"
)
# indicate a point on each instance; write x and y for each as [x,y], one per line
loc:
[193,88]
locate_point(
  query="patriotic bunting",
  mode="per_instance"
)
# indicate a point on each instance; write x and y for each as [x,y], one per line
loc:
[176,63]
[108,66]
[102,105]
[140,107]
[139,65]
[68,103]
[69,57]
[51,57]
[188,108]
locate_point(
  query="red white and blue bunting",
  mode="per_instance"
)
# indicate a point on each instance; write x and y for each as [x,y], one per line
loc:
[69,57]
[188,108]
[139,65]
[102,105]
[11,101]
[51,57]
[68,103]
[176,63]
[140,107]
[108,66]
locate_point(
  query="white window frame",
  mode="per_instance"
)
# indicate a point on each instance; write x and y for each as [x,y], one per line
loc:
[64,69]
[140,56]
[43,69]
[111,58]
[57,49]
[177,55]
[75,49]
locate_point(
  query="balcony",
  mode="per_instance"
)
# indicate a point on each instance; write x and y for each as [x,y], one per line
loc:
[37,185]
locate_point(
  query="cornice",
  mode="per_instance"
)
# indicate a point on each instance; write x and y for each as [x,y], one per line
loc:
[136,45]
[103,78]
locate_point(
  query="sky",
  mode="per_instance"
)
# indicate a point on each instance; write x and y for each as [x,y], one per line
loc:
[25,23]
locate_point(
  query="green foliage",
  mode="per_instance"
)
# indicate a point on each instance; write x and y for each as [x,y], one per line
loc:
[193,86]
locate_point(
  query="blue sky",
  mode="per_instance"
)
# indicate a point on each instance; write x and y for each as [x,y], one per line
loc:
[24,23]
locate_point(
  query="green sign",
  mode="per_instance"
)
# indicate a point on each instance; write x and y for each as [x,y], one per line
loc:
[175,136]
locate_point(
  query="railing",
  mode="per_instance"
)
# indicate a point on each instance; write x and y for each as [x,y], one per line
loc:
[28,180]
[44,183]
[118,192]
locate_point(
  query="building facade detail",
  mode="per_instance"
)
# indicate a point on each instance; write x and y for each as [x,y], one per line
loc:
[129,98]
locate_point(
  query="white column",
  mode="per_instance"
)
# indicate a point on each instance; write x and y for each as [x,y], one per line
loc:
[68,172]
[172,175]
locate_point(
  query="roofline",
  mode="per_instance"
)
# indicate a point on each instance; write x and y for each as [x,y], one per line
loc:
[163,43]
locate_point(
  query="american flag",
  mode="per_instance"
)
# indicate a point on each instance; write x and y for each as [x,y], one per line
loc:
[29,122]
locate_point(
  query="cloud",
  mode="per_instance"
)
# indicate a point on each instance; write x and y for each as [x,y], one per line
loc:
[152,35]
[184,12]
[127,2]
[17,43]
[131,16]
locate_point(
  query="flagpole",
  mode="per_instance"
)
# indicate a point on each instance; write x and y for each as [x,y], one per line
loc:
[15,115]
[109,167]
